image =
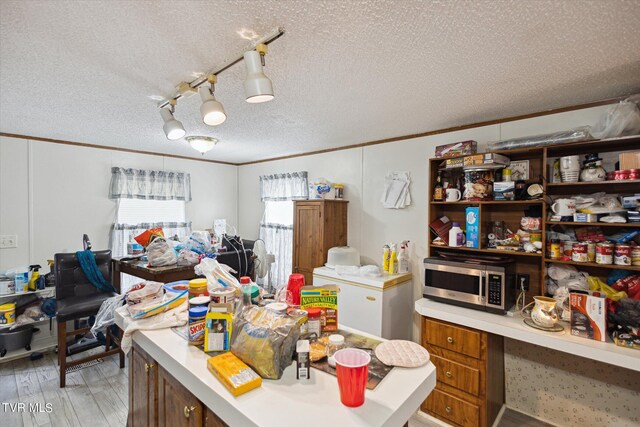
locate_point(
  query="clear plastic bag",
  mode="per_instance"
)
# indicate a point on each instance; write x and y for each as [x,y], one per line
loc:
[188,257]
[620,119]
[217,274]
[161,253]
[264,340]
[106,315]
[572,135]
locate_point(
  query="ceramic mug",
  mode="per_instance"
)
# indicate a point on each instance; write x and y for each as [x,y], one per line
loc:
[453,195]
[570,168]
[564,207]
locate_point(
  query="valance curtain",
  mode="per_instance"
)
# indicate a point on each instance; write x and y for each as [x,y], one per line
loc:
[276,227]
[149,185]
[284,186]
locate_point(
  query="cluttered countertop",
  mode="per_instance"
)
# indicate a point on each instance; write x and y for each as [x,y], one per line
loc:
[316,401]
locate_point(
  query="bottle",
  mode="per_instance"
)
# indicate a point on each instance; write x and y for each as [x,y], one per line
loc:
[245,286]
[438,190]
[393,261]
[35,274]
[506,174]
[386,257]
[456,236]
[403,258]
[336,342]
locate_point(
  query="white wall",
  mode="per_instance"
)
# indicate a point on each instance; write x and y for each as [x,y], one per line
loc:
[50,194]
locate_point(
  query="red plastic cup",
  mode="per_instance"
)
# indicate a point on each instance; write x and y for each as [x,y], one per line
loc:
[296,282]
[352,370]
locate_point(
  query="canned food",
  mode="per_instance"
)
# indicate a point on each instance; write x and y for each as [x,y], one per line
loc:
[567,249]
[555,251]
[635,256]
[621,175]
[622,255]
[634,174]
[604,253]
[579,252]
[591,251]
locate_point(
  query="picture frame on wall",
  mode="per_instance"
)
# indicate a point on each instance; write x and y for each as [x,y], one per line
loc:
[519,170]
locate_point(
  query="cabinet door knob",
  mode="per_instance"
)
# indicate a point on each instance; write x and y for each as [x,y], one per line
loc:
[450,340]
[371,298]
[148,366]
[448,374]
[448,409]
[187,411]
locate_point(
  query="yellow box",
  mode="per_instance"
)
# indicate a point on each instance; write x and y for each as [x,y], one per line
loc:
[236,376]
[218,326]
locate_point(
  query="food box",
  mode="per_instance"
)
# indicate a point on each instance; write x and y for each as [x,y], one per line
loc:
[486,159]
[457,149]
[629,160]
[456,162]
[627,340]
[588,315]
[326,299]
[584,217]
[218,326]
[472,218]
[233,373]
[504,190]
[631,201]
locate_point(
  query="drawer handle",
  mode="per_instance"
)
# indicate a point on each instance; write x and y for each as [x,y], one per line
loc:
[148,366]
[371,298]
[448,409]
[450,340]
[448,374]
[187,411]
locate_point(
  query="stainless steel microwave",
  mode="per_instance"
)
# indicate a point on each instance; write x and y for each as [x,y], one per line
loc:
[488,287]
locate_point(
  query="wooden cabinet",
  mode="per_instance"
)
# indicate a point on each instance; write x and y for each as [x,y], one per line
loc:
[143,395]
[469,374]
[158,399]
[176,405]
[318,225]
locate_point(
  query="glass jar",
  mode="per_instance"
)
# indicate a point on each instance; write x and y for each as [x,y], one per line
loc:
[336,342]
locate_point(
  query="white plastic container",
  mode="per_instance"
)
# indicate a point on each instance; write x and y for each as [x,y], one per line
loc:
[456,236]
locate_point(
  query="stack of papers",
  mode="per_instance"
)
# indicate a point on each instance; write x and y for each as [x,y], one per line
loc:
[396,193]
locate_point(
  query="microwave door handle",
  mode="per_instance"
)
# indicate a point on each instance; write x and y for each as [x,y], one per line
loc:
[481,288]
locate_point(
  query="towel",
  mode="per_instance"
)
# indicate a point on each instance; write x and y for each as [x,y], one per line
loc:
[175,317]
[91,271]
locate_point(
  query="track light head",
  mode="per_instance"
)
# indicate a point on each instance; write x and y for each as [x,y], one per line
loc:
[173,128]
[257,86]
[212,111]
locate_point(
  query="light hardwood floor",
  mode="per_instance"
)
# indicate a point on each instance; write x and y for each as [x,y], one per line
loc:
[95,396]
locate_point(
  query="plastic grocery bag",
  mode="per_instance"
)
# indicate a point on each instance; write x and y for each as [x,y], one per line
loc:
[264,340]
[106,315]
[188,257]
[143,292]
[595,284]
[217,274]
[161,253]
[620,119]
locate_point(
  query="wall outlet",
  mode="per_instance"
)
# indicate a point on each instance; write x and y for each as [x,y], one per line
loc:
[8,241]
[522,280]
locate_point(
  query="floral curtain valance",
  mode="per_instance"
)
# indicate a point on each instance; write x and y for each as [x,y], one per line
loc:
[149,185]
[284,186]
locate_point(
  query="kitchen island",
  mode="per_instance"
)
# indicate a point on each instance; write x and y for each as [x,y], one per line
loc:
[169,385]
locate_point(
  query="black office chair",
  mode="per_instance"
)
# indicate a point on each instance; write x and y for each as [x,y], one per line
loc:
[77,298]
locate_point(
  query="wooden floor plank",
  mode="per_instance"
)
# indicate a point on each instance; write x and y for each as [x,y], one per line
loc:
[62,414]
[9,395]
[112,408]
[117,378]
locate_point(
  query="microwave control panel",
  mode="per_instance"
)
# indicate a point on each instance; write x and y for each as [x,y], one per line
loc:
[494,294]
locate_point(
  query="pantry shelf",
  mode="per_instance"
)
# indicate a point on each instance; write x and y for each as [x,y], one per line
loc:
[596,224]
[486,251]
[490,202]
[615,186]
[593,264]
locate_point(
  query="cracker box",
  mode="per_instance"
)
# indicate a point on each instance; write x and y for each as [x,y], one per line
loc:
[326,299]
[589,315]
[218,326]
[486,159]
[472,227]
[236,376]
[457,149]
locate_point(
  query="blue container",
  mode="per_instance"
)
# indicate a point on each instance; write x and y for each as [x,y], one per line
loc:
[472,218]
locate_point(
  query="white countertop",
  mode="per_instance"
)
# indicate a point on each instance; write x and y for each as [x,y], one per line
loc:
[515,328]
[309,403]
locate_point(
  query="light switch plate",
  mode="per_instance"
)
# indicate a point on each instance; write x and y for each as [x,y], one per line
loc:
[8,241]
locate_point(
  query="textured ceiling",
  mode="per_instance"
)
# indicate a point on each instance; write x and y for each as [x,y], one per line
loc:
[345,72]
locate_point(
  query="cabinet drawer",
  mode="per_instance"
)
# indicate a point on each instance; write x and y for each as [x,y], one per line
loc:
[453,338]
[453,409]
[457,375]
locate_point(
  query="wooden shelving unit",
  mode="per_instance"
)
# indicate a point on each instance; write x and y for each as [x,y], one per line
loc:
[540,160]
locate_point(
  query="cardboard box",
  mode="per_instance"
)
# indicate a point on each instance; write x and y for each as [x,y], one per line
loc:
[233,373]
[504,190]
[326,299]
[630,201]
[486,159]
[457,149]
[218,326]
[629,160]
[472,227]
[583,217]
[589,315]
[457,162]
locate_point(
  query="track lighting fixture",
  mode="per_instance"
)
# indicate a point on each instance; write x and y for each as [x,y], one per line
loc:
[202,143]
[173,129]
[257,86]
[211,110]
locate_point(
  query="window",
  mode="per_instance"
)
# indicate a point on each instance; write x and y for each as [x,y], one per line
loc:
[278,213]
[139,211]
